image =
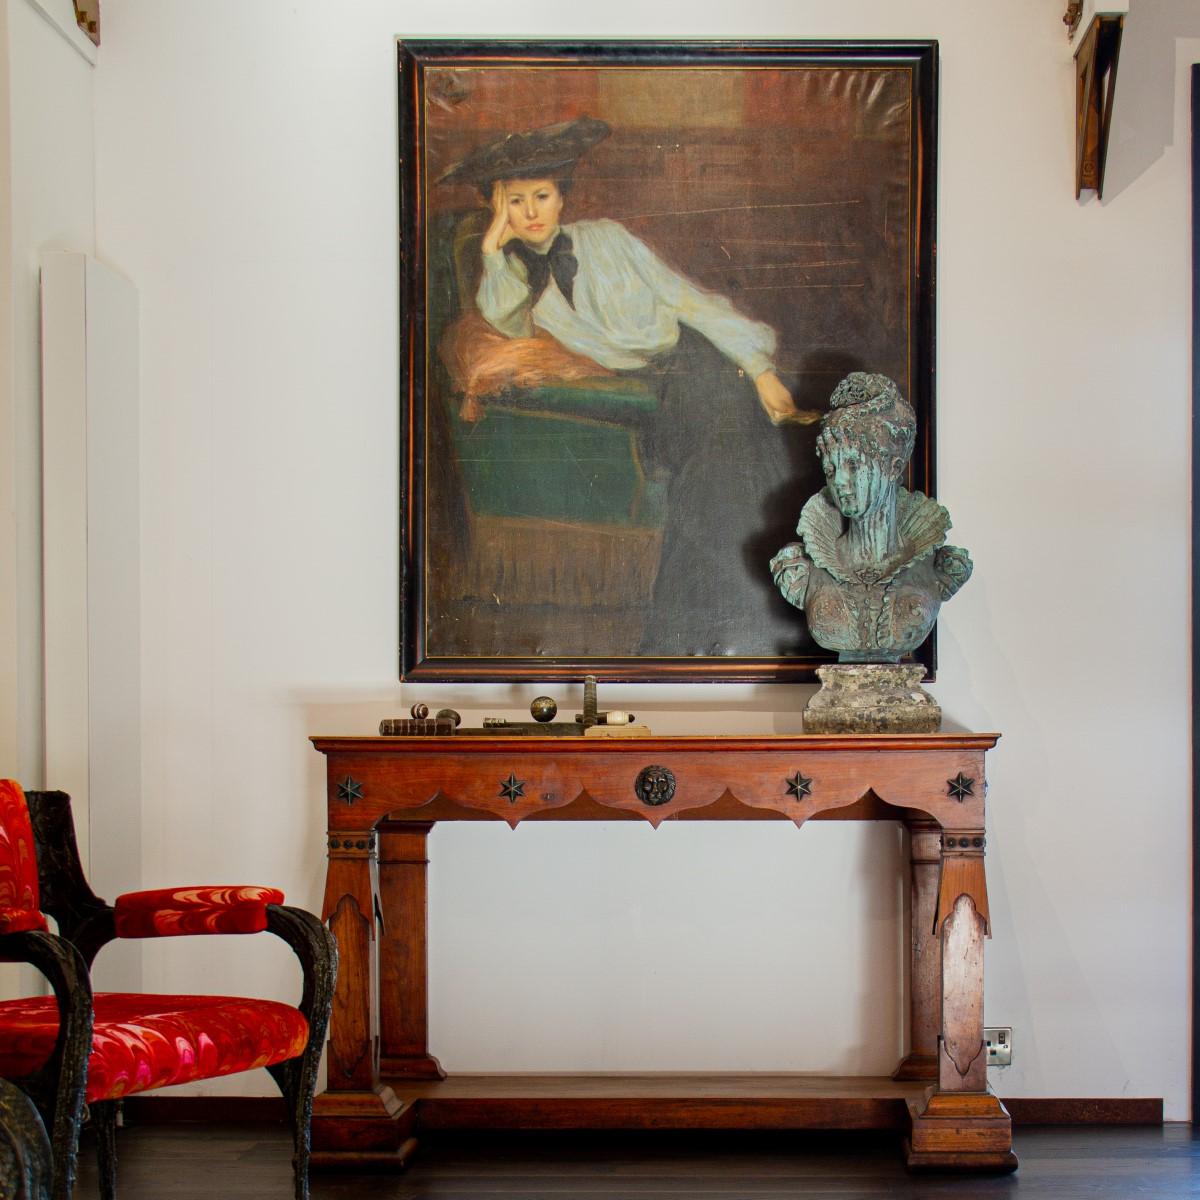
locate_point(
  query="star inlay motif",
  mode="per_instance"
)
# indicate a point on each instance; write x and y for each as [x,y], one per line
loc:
[960,787]
[512,787]
[349,790]
[799,786]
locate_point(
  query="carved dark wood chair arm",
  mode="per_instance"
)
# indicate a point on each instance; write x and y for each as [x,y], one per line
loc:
[93,933]
[83,918]
[316,948]
[26,1164]
[57,1087]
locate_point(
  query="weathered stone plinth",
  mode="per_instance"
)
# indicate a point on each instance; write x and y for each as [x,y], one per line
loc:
[872,698]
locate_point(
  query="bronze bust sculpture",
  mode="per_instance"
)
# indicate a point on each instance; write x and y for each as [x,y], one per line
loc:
[871,569]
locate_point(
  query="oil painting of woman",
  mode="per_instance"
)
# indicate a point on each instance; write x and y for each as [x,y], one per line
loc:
[603,294]
[630,335]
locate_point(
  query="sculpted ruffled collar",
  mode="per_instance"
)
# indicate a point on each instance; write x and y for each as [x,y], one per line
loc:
[921,524]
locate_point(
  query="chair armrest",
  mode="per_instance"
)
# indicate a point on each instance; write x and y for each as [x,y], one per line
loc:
[316,948]
[314,945]
[58,1087]
[172,912]
[21,920]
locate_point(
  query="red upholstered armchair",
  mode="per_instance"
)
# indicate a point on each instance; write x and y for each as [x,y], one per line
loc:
[73,1047]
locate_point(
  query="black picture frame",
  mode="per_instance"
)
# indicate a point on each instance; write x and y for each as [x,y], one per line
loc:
[846,129]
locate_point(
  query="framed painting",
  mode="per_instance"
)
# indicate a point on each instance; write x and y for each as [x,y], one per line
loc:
[631,275]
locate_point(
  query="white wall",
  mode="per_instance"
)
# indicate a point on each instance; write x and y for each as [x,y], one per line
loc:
[47,177]
[46,201]
[246,179]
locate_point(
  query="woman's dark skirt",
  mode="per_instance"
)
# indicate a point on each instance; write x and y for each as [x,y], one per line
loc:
[736,484]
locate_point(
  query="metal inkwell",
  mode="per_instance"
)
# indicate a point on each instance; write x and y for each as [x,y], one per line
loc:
[592,722]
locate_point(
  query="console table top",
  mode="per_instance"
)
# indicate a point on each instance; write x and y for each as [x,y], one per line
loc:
[465,743]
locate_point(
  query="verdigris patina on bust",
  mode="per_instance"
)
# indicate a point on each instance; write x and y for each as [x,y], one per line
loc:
[872,568]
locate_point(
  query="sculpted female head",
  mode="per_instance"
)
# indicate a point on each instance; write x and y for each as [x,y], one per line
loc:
[866,440]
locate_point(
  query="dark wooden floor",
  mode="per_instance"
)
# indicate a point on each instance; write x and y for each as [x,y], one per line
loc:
[189,1162]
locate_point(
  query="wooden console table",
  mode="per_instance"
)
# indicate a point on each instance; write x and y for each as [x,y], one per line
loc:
[384,796]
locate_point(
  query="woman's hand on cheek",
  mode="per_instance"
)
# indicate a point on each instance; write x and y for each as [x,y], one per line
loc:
[499,231]
[778,403]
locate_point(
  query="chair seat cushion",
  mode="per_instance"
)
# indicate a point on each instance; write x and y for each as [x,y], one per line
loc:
[146,1041]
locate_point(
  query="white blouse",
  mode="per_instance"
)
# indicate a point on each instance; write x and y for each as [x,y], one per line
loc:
[628,304]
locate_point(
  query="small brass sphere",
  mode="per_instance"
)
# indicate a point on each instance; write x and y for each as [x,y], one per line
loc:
[544,708]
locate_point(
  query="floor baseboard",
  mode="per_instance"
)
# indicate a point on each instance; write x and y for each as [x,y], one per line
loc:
[1045,1110]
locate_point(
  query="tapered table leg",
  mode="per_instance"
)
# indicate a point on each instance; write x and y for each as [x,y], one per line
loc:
[403,953]
[925,973]
[357,1119]
[959,1124]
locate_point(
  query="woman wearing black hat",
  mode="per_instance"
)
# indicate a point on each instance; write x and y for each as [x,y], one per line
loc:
[604,295]
[630,304]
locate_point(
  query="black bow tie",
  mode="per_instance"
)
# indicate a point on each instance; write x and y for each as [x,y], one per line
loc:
[557,261]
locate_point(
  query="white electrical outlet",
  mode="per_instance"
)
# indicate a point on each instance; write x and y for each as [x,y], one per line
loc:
[999,1046]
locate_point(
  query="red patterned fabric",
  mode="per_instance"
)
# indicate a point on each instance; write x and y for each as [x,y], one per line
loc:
[169,912]
[19,899]
[19,920]
[141,1042]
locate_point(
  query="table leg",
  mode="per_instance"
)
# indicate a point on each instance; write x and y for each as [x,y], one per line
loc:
[959,1123]
[403,953]
[357,1119]
[925,978]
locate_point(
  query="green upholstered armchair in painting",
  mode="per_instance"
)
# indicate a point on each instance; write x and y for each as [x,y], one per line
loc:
[538,484]
[537,430]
